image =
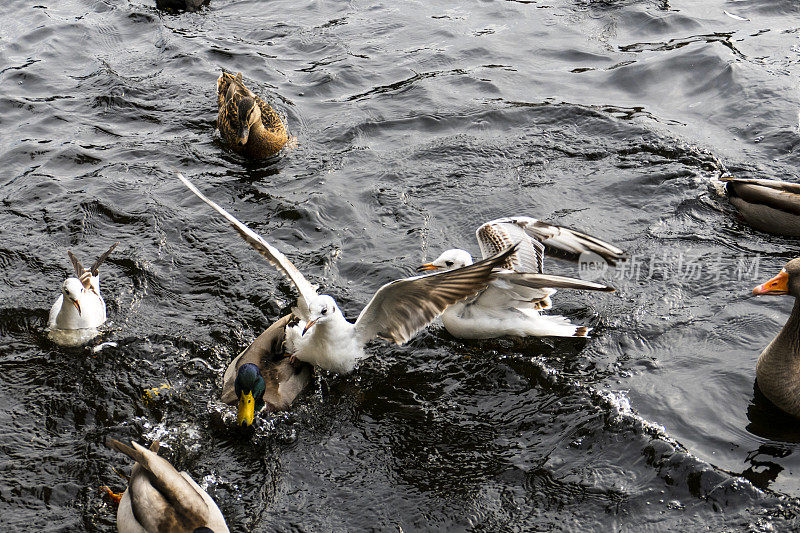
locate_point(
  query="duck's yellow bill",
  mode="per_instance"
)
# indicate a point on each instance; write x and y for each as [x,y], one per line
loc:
[777,285]
[247,410]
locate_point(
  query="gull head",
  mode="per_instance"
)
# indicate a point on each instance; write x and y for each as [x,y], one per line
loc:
[72,289]
[321,310]
[449,260]
[250,387]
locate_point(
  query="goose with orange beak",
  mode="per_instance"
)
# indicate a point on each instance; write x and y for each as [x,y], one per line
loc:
[778,367]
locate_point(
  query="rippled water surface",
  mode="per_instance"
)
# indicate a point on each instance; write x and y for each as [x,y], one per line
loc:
[416,122]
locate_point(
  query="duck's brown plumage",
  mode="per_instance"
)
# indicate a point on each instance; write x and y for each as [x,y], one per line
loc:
[159,498]
[248,135]
[768,205]
[284,380]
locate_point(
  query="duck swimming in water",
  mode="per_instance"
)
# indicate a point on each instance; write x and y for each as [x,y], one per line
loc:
[160,499]
[262,377]
[247,123]
[768,205]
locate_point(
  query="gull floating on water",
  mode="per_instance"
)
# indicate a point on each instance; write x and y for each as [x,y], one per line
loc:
[76,322]
[399,309]
[159,498]
[511,303]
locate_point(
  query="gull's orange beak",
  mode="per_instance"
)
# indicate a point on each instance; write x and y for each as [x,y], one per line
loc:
[777,285]
[76,304]
[308,326]
[427,266]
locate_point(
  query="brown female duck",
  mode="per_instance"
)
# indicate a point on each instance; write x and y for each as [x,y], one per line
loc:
[246,122]
[778,367]
[262,377]
[767,205]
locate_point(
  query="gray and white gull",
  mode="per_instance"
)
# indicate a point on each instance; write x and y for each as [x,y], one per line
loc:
[80,309]
[397,311]
[511,303]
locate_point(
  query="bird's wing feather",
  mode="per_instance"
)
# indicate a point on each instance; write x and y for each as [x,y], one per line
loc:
[181,496]
[276,258]
[401,308]
[94,269]
[75,264]
[547,281]
[564,242]
[497,235]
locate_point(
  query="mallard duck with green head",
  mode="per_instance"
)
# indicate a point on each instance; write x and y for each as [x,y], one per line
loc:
[262,377]
[246,122]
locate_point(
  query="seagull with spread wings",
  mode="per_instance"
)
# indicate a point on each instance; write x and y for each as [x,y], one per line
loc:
[325,338]
[512,302]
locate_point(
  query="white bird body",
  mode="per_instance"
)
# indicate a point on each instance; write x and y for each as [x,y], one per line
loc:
[332,345]
[396,312]
[93,307]
[511,303]
[80,309]
[466,321]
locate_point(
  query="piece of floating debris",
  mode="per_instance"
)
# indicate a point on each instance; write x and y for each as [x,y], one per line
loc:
[103,345]
[737,17]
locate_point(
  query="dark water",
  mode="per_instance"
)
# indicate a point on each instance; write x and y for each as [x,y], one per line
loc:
[416,122]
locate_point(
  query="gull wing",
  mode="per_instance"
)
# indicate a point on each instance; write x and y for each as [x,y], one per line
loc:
[75,264]
[562,242]
[497,235]
[180,502]
[547,281]
[276,258]
[84,276]
[96,265]
[403,307]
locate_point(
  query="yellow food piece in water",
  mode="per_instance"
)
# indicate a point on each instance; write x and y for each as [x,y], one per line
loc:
[151,394]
